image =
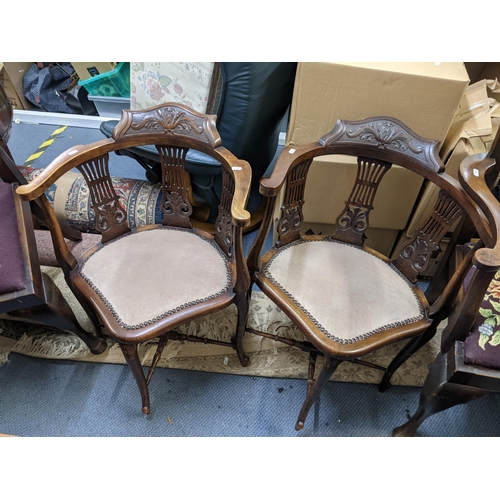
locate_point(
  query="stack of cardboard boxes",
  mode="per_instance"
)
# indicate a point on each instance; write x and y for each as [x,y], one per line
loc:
[424,96]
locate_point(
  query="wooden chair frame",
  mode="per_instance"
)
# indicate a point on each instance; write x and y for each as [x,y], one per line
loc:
[378,143]
[451,381]
[40,301]
[173,129]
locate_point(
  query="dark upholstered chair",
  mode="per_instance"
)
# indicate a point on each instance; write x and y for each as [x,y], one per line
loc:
[346,298]
[141,284]
[250,100]
[26,293]
[468,365]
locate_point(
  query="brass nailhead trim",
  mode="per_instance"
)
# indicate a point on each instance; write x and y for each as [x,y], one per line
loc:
[171,311]
[317,323]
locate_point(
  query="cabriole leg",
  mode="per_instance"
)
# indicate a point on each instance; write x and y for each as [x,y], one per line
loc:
[131,355]
[406,352]
[436,396]
[329,367]
[242,303]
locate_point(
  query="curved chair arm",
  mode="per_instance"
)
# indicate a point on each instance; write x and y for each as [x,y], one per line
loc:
[472,178]
[289,157]
[242,177]
[485,261]
[71,158]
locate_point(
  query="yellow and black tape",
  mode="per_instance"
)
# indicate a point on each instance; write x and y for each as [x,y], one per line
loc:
[41,149]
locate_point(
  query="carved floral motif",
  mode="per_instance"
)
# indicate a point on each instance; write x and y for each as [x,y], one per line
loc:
[224,231]
[354,218]
[385,134]
[419,252]
[168,119]
[174,203]
[291,219]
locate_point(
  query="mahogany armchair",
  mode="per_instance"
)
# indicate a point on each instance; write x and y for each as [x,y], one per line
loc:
[141,284]
[347,299]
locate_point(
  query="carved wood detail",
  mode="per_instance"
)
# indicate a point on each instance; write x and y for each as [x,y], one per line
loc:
[169,120]
[387,134]
[291,210]
[175,187]
[354,220]
[224,227]
[415,256]
[110,215]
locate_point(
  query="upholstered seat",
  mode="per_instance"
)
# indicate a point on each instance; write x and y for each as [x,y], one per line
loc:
[350,293]
[482,346]
[154,261]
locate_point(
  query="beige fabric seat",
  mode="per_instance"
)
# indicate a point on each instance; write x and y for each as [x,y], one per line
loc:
[349,293]
[157,281]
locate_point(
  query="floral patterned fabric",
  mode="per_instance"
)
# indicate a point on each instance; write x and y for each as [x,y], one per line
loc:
[153,83]
[482,346]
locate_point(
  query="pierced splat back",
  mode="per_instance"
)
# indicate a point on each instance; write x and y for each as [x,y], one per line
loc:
[174,129]
[110,215]
[175,180]
[354,220]
[291,210]
[378,143]
[415,255]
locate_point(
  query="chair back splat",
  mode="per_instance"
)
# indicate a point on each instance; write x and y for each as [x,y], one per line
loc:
[346,298]
[142,283]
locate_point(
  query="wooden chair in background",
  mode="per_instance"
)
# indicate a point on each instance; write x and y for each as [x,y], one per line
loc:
[468,365]
[143,283]
[347,299]
[26,293]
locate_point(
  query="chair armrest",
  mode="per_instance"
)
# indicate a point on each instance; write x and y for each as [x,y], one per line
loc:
[242,177]
[71,158]
[472,178]
[289,157]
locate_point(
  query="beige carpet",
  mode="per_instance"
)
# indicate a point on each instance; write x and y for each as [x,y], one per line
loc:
[268,357]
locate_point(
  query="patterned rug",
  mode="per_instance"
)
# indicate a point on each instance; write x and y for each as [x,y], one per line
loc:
[268,358]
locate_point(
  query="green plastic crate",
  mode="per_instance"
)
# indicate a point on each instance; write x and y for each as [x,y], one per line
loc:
[115,83]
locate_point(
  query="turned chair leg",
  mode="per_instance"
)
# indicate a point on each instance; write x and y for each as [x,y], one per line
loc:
[243,305]
[131,355]
[406,352]
[436,396]
[313,391]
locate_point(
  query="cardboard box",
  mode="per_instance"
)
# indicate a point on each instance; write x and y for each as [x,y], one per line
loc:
[424,96]
[86,70]
[474,135]
[11,77]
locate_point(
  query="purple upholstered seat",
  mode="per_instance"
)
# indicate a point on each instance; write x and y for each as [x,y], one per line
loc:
[482,346]
[12,272]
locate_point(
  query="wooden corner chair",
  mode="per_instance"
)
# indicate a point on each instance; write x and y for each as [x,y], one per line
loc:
[143,283]
[26,293]
[347,299]
[468,365]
